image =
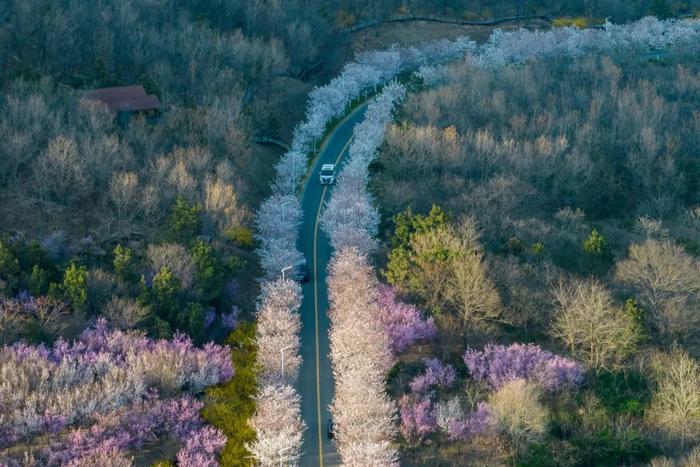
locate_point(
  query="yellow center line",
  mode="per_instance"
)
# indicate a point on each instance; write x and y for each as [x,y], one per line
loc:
[318,355]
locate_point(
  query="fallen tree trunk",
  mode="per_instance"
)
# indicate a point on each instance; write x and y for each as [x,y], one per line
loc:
[261,139]
[437,19]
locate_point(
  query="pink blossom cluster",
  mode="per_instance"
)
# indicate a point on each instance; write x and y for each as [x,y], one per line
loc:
[498,364]
[403,322]
[45,389]
[436,375]
[480,421]
[422,416]
[361,357]
[129,428]
[417,417]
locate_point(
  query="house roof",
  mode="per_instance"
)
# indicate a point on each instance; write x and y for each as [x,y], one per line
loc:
[125,98]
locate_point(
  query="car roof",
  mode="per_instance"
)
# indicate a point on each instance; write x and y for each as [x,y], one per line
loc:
[327,167]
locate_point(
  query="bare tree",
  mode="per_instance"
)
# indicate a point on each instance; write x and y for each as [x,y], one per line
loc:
[518,414]
[666,281]
[124,313]
[675,405]
[592,327]
[176,259]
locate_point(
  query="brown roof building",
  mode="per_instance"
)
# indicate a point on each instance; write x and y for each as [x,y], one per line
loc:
[125,98]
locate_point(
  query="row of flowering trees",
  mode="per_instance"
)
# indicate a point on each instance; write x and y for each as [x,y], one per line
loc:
[367,325]
[107,394]
[277,419]
[277,224]
[508,48]
[361,357]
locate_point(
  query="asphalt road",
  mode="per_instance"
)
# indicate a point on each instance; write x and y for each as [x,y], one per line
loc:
[315,383]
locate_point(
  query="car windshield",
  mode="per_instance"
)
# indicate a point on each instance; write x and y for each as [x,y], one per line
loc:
[326,171]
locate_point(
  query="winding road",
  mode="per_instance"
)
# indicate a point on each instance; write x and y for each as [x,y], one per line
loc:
[315,384]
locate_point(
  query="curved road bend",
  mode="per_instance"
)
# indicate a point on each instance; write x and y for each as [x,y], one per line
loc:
[315,383]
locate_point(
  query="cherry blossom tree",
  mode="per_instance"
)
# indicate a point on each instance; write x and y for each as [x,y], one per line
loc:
[498,364]
[277,332]
[403,322]
[277,222]
[278,425]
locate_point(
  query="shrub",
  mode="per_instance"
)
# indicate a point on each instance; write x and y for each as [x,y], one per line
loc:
[74,287]
[39,281]
[185,220]
[123,261]
[593,329]
[209,275]
[102,286]
[176,259]
[165,285]
[229,406]
[241,236]
[9,267]
[666,281]
[518,414]
[578,22]
[125,313]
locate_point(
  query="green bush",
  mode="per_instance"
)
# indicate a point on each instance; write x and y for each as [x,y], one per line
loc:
[165,285]
[123,261]
[623,392]
[74,285]
[230,405]
[595,244]
[38,282]
[241,236]
[9,266]
[597,256]
[210,274]
[185,221]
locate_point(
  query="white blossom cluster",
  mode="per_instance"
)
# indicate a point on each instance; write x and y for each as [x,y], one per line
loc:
[278,327]
[278,425]
[277,419]
[349,218]
[364,415]
[504,48]
[507,48]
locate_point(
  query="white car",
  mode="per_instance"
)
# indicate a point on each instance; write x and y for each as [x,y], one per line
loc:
[327,174]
